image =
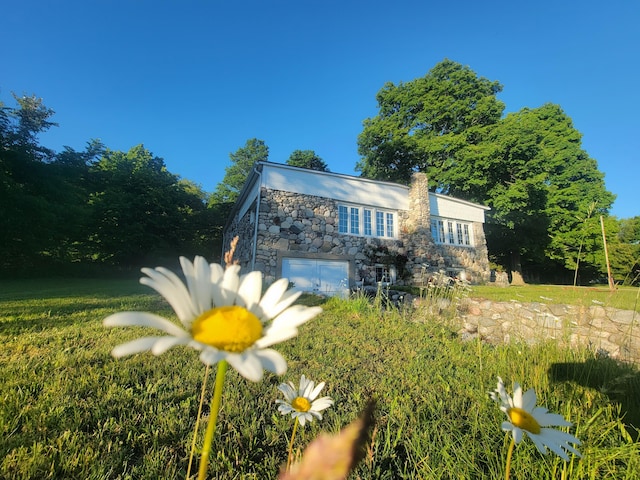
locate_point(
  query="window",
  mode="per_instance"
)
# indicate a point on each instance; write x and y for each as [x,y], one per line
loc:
[385,274]
[343,219]
[389,225]
[366,221]
[451,238]
[451,232]
[380,224]
[355,221]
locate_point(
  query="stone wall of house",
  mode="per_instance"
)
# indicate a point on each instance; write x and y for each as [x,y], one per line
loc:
[425,255]
[609,331]
[304,224]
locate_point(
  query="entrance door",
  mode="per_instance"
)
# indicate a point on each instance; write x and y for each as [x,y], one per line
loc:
[326,277]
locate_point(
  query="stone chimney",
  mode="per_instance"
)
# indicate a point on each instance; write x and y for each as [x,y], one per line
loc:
[419,208]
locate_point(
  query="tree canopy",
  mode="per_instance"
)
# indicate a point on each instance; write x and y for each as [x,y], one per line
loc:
[528,166]
[94,206]
[236,174]
[422,124]
[307,159]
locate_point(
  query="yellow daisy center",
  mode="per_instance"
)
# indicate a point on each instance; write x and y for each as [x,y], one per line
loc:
[524,420]
[230,328]
[301,404]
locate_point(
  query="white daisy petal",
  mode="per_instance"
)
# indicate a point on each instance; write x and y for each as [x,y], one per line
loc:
[517,434]
[135,346]
[211,356]
[288,391]
[277,298]
[295,316]
[247,364]
[143,319]
[322,404]
[199,285]
[249,291]
[279,336]
[165,343]
[272,361]
[517,395]
[273,294]
[316,391]
[529,400]
[167,284]
[230,283]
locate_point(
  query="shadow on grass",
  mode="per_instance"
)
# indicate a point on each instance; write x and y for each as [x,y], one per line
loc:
[619,381]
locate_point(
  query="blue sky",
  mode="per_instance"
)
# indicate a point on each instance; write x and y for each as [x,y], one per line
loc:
[194,80]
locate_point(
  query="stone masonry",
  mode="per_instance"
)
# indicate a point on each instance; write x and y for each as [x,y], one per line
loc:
[608,330]
[293,224]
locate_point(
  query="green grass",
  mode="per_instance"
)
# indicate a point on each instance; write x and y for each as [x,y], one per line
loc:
[626,298]
[69,410]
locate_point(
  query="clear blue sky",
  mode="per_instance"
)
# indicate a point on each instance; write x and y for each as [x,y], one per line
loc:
[194,80]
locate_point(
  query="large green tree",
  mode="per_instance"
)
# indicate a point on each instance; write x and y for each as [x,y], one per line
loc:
[545,192]
[307,159]
[529,166]
[236,174]
[423,123]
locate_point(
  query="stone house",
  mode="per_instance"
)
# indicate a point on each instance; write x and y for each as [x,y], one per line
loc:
[327,232]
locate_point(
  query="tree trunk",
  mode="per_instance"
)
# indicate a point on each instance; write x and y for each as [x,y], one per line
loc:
[516,269]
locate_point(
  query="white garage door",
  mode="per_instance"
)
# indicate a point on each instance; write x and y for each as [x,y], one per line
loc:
[327,277]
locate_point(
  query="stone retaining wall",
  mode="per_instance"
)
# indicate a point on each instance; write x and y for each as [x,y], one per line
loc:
[610,331]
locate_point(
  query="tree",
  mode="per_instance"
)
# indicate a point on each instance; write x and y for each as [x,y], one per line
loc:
[529,166]
[307,159]
[236,174]
[29,189]
[421,124]
[624,251]
[542,186]
[24,124]
[140,210]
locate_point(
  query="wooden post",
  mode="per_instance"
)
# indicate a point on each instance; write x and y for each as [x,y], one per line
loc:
[612,285]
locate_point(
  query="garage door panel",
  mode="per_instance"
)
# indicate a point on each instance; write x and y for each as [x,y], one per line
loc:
[319,276]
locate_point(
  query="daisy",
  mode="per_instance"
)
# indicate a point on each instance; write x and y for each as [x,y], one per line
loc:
[524,416]
[222,314]
[302,403]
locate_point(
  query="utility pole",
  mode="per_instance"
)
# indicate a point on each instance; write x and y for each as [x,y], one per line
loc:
[612,286]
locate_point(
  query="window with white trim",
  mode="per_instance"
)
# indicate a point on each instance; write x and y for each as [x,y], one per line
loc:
[451,232]
[366,221]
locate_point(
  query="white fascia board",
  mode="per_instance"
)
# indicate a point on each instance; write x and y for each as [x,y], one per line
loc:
[455,208]
[343,188]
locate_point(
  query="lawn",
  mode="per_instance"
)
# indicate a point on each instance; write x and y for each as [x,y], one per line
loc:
[69,410]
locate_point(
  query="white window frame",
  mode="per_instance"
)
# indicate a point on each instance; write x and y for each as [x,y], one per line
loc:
[449,231]
[364,221]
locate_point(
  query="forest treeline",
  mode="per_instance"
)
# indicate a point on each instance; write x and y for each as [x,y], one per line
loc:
[74,211]
[65,212]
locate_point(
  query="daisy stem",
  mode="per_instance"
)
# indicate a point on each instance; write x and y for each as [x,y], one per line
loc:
[213,419]
[195,430]
[293,435]
[507,468]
